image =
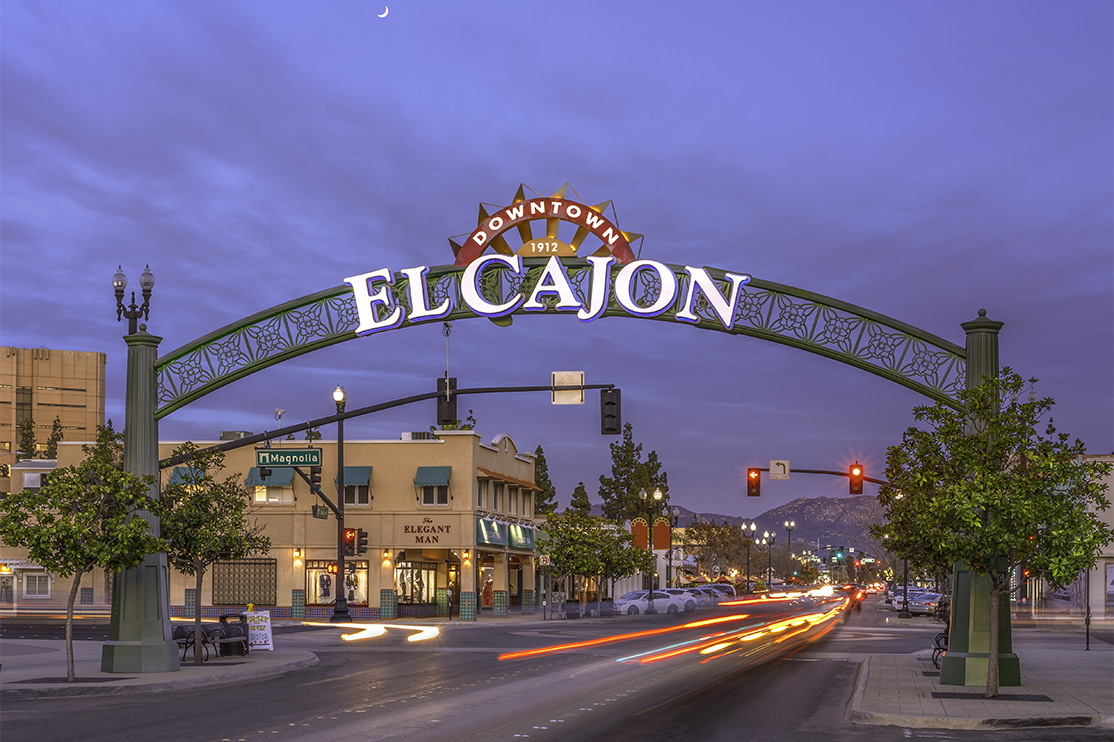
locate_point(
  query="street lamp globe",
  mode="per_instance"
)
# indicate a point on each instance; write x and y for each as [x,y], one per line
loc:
[146,279]
[339,397]
[120,281]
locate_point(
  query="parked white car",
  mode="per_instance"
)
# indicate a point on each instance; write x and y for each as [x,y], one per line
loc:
[638,601]
[705,596]
[690,598]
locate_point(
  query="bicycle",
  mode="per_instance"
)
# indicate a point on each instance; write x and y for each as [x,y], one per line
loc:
[940,648]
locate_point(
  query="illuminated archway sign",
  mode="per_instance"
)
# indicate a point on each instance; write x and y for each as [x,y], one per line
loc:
[552,290]
[579,264]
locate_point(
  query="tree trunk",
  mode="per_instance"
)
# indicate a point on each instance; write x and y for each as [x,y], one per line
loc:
[992,663]
[70,675]
[197,641]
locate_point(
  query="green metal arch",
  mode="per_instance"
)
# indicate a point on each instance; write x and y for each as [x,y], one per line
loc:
[769,311]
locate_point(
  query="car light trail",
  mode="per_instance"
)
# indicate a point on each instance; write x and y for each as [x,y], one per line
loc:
[372,630]
[619,637]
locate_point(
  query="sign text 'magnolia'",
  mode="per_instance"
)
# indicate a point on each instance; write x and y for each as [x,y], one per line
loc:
[378,311]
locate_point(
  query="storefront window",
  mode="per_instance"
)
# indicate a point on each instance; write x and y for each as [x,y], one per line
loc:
[321,584]
[36,586]
[487,586]
[416,582]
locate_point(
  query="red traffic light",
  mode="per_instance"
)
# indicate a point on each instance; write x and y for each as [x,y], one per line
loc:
[350,542]
[754,482]
[855,475]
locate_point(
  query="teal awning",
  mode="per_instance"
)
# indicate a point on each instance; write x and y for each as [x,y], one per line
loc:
[521,537]
[186,475]
[356,475]
[491,532]
[432,476]
[281,476]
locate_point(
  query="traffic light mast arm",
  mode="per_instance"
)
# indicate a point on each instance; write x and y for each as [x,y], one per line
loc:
[319,493]
[267,435]
[827,471]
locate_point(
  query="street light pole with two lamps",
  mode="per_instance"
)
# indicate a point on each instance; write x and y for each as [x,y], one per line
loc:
[652,504]
[769,537]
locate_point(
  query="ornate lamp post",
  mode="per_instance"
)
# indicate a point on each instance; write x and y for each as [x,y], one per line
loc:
[748,538]
[340,606]
[789,526]
[673,513]
[139,632]
[652,503]
[769,537]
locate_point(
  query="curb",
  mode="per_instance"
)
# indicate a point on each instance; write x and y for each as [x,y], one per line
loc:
[211,680]
[856,715]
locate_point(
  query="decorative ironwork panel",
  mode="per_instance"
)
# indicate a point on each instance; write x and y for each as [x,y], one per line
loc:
[245,581]
[783,314]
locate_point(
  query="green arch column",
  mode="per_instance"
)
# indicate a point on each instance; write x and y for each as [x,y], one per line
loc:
[968,655]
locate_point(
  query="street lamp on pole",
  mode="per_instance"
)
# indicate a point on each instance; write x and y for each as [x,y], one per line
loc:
[340,605]
[748,538]
[132,313]
[789,526]
[769,537]
[652,503]
[674,512]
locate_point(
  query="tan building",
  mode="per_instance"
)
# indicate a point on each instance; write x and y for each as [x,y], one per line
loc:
[448,519]
[44,384]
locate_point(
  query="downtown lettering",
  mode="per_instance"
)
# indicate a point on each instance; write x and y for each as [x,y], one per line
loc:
[377,309]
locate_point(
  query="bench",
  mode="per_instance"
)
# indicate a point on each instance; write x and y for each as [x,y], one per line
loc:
[221,641]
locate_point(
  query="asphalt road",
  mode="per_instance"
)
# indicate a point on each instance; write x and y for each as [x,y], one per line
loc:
[457,687]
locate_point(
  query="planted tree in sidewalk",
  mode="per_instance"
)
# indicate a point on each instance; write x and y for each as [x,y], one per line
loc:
[582,545]
[983,487]
[86,516]
[204,520]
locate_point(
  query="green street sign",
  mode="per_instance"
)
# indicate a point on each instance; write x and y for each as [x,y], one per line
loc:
[287,457]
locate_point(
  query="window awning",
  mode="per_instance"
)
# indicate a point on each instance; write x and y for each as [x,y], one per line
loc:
[356,475]
[281,476]
[506,478]
[186,475]
[432,476]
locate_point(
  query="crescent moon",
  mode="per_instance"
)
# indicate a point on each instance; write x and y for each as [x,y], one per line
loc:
[386,9]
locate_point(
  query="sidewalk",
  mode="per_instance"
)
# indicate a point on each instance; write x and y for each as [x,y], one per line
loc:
[1063,684]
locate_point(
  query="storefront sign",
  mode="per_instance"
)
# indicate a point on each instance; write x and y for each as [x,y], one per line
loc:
[426,530]
[521,537]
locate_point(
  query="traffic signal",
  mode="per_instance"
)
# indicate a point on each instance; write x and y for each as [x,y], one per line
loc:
[611,412]
[855,474]
[350,542]
[264,472]
[361,541]
[315,479]
[754,482]
[446,401]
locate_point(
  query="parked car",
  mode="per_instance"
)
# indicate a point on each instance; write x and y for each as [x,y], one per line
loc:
[726,591]
[924,603]
[688,596]
[638,601]
[705,596]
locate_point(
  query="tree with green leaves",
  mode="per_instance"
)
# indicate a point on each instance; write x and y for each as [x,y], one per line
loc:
[580,502]
[204,519]
[54,439]
[584,545]
[26,434]
[984,488]
[716,546]
[630,475]
[545,501]
[86,516]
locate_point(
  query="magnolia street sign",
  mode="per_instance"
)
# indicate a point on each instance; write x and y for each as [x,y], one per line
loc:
[288,457]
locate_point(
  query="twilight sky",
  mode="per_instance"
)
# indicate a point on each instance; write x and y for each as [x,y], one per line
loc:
[921,160]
